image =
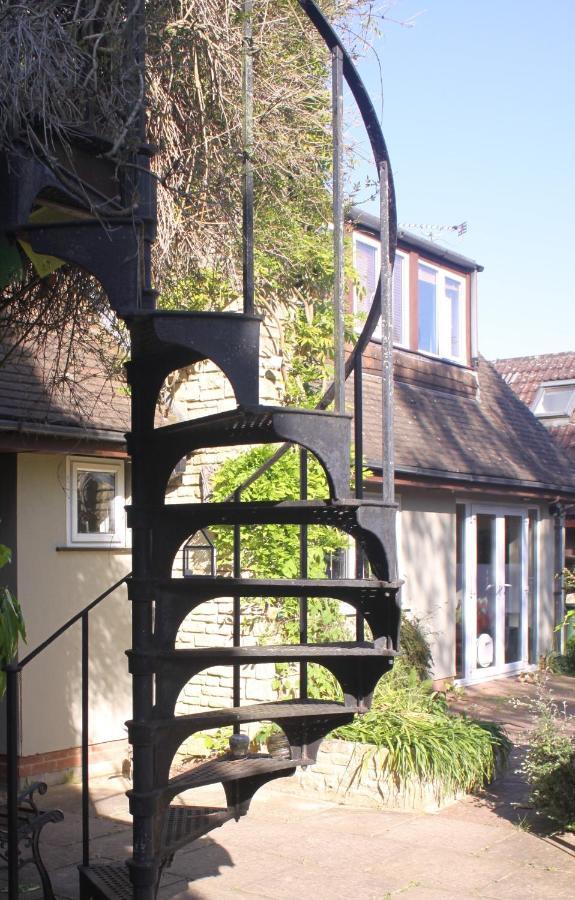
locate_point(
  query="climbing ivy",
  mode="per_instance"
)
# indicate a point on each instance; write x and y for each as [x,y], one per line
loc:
[272,551]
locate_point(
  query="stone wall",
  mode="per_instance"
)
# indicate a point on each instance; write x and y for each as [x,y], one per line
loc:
[351,774]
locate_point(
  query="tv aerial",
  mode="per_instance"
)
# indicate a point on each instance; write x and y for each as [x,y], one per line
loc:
[431,231]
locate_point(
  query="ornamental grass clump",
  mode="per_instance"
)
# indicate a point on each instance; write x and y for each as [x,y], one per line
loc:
[417,740]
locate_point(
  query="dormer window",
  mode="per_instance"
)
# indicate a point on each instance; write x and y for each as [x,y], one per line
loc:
[555,400]
[366,260]
[441,306]
[434,294]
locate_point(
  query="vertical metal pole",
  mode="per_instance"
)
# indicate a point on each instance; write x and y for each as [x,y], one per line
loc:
[85,741]
[303,563]
[247,152]
[143,866]
[388,485]
[337,126]
[137,52]
[358,471]
[237,571]
[558,587]
[12,750]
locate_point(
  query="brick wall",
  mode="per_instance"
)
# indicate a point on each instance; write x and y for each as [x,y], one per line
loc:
[55,766]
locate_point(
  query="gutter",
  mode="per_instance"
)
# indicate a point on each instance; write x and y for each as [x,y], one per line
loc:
[486,480]
[371,223]
[64,431]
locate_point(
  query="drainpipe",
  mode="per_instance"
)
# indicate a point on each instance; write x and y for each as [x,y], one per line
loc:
[558,513]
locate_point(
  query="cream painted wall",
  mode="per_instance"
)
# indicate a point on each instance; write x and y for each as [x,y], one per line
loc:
[546,582]
[426,545]
[426,548]
[52,586]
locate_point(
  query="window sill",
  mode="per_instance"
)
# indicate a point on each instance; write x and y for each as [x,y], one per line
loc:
[449,360]
[108,548]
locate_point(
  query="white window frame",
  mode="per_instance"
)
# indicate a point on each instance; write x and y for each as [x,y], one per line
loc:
[75,538]
[443,313]
[359,236]
[569,405]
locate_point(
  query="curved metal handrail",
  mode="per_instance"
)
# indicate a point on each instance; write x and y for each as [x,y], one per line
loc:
[381,155]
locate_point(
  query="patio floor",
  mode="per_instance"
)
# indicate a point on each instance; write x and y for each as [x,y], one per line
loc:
[289,845]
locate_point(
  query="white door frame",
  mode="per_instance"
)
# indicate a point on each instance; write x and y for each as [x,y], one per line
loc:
[474,673]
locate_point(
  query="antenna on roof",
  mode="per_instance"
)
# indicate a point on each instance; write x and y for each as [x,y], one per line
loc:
[431,230]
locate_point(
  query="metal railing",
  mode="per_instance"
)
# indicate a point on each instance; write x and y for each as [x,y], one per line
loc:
[13,717]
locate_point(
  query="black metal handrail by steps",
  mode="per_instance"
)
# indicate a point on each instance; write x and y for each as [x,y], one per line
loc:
[13,712]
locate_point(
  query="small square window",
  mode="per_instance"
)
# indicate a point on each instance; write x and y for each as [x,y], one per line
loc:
[555,400]
[96,502]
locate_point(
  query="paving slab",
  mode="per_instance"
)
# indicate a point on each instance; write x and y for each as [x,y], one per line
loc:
[291,845]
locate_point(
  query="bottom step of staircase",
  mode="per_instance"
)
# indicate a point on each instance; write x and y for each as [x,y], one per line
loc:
[109,882]
[184,824]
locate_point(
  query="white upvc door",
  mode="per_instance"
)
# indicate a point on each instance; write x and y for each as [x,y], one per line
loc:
[496,591]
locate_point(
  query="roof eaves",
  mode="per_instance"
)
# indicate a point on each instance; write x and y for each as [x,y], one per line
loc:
[430,248]
[496,481]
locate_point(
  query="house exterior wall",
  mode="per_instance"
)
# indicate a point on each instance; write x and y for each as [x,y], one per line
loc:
[426,555]
[427,564]
[547,572]
[53,585]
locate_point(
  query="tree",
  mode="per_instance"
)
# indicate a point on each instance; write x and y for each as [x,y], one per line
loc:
[59,60]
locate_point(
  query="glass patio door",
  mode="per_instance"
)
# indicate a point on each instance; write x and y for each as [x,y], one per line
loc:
[487,590]
[496,605]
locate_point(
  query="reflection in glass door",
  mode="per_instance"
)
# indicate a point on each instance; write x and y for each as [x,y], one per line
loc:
[486,591]
[513,588]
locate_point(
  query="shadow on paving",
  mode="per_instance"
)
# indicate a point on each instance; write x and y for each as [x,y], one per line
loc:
[110,842]
[489,846]
[508,701]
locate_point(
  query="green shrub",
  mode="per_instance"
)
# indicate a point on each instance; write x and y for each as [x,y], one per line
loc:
[414,646]
[12,628]
[549,765]
[416,738]
[561,663]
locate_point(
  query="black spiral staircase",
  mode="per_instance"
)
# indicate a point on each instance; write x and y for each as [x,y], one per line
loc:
[115,248]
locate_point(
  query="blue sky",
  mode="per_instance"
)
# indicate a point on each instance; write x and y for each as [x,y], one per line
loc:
[478,114]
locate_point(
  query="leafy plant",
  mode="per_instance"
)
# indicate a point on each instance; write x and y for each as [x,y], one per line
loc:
[214,742]
[416,738]
[568,577]
[549,765]
[561,663]
[272,551]
[415,649]
[12,627]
